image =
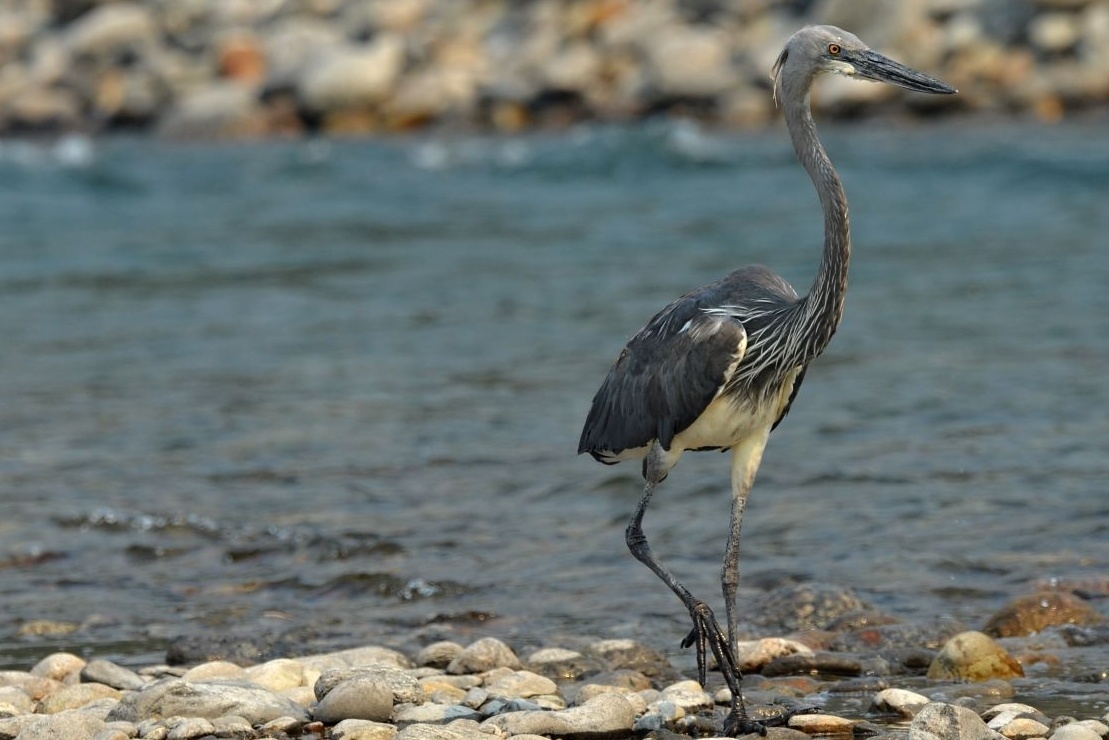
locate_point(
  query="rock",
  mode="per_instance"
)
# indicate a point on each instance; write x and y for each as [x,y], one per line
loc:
[351,77]
[404,686]
[1029,614]
[110,30]
[110,674]
[177,697]
[363,656]
[604,715]
[753,655]
[434,714]
[188,728]
[33,686]
[972,656]
[362,729]
[277,675]
[938,721]
[484,655]
[1055,32]
[216,111]
[1086,730]
[521,684]
[591,690]
[1020,728]
[457,730]
[215,670]
[75,697]
[359,696]
[806,606]
[688,695]
[58,665]
[14,701]
[560,664]
[898,701]
[821,724]
[822,663]
[629,655]
[71,725]
[438,654]
[282,727]
[690,62]
[232,726]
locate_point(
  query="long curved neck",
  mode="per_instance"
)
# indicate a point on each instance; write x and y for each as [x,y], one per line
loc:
[820,311]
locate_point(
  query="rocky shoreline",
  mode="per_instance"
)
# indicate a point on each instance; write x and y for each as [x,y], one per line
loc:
[252,68]
[861,676]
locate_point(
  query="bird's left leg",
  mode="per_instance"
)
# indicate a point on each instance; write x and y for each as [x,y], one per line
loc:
[706,634]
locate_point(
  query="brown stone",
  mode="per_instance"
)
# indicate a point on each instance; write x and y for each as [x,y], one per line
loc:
[1029,614]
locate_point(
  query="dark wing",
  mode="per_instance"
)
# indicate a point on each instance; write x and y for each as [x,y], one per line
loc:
[664,378]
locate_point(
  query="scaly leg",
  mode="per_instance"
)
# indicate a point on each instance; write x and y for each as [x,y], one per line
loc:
[706,634]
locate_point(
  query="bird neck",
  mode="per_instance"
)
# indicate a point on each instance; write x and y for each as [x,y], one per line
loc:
[820,311]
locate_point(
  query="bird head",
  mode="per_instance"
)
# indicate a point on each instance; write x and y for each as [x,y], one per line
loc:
[815,50]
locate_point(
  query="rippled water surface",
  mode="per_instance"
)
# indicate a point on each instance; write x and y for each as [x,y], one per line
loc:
[334,389]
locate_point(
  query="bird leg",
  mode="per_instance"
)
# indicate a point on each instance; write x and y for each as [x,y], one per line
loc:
[706,634]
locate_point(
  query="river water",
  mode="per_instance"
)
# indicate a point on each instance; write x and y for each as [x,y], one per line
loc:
[335,387]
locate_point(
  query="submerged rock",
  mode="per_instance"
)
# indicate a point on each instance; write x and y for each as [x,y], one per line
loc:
[1029,614]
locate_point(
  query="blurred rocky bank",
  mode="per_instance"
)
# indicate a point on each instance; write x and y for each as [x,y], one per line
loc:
[251,68]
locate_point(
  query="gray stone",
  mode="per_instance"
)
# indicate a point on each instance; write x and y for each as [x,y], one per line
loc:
[363,729]
[898,701]
[71,725]
[76,696]
[484,655]
[58,665]
[110,674]
[406,688]
[109,29]
[363,657]
[462,729]
[349,77]
[438,654]
[189,728]
[232,726]
[939,721]
[433,714]
[604,715]
[177,697]
[523,684]
[357,697]
[1085,730]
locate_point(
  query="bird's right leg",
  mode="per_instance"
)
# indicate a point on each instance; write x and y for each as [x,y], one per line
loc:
[706,634]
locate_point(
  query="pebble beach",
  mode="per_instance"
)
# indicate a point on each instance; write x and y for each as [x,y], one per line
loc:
[256,68]
[865,675]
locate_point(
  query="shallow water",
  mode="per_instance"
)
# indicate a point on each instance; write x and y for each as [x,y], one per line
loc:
[337,386]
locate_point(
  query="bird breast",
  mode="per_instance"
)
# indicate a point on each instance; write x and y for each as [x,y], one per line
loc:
[732,417]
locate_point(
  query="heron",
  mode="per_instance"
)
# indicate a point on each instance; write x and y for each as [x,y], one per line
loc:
[720,367]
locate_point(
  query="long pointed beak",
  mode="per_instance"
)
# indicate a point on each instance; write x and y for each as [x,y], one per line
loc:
[871,65]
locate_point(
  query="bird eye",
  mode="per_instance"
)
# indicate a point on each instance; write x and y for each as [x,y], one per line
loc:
[834,49]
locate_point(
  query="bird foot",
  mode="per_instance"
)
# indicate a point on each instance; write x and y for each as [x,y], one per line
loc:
[707,636]
[737,722]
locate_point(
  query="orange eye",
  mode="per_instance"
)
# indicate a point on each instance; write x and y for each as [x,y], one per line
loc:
[834,49]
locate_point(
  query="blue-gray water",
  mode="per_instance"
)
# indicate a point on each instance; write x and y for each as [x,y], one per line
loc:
[338,385]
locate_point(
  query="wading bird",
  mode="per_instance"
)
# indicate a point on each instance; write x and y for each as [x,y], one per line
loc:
[718,368]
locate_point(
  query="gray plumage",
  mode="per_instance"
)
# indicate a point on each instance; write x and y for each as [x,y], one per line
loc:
[720,367]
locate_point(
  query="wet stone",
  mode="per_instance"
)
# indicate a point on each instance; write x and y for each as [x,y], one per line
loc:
[753,655]
[898,701]
[821,663]
[972,656]
[821,724]
[1035,612]
[806,606]
[939,721]
[563,665]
